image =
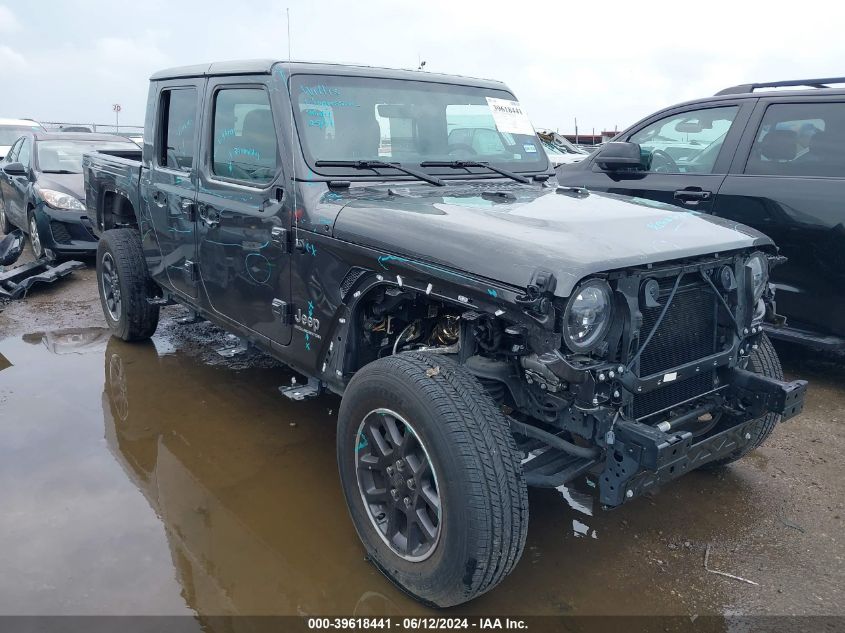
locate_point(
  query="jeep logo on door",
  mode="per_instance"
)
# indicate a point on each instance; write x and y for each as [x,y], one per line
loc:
[307,320]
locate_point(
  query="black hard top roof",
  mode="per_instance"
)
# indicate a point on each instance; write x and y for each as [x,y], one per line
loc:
[266,66]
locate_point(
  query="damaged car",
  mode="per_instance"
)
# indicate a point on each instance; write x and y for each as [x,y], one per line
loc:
[487,329]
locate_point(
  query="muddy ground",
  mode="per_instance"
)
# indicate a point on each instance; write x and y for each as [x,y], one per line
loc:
[164,479]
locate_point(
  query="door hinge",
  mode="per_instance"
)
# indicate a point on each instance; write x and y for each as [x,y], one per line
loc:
[280,237]
[283,311]
[191,270]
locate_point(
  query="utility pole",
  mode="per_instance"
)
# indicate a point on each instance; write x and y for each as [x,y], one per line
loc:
[576,130]
[116,108]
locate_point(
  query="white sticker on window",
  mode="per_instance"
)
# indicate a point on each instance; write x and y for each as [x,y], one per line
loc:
[509,116]
[530,148]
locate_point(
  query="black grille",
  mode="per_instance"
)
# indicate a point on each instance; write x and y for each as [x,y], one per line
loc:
[687,332]
[672,394]
[60,233]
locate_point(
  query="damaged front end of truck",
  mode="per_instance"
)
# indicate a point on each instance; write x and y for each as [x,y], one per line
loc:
[635,378]
[653,374]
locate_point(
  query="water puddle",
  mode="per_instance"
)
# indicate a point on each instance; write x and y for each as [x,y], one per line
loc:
[141,479]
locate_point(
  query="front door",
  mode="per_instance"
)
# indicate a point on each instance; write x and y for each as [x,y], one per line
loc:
[244,218]
[6,180]
[169,187]
[686,156]
[15,194]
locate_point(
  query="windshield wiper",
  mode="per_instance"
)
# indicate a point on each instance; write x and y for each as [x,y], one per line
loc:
[377,164]
[464,164]
[59,171]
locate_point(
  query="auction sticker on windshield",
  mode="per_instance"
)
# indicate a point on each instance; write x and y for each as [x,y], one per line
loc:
[509,117]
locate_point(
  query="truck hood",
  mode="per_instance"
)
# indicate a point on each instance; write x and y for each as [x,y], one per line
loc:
[505,233]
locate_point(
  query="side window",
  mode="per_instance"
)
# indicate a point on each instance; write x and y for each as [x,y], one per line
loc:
[244,141]
[800,139]
[686,143]
[177,125]
[25,153]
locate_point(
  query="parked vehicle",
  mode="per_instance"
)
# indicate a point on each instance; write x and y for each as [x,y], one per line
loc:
[12,129]
[559,150]
[774,160]
[42,189]
[470,314]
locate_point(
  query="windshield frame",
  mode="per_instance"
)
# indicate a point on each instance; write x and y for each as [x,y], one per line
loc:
[95,146]
[542,166]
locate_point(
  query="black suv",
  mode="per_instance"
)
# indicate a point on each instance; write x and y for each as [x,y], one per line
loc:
[774,160]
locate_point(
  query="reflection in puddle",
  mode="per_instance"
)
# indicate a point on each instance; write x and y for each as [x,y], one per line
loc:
[151,482]
[71,340]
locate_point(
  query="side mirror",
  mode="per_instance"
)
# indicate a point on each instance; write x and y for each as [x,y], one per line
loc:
[619,155]
[15,169]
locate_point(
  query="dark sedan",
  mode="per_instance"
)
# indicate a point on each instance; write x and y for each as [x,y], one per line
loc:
[42,189]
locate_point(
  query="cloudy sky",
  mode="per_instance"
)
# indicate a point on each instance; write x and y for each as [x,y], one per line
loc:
[607,64]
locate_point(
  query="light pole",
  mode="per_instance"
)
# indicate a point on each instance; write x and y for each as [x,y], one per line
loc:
[116,108]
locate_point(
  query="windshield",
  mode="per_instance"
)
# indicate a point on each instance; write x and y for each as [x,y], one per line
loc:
[11,133]
[343,118]
[551,148]
[65,157]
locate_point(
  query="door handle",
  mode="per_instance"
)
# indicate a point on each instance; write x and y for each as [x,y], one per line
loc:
[692,196]
[159,198]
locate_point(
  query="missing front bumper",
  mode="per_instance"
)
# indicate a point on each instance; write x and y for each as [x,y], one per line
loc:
[644,457]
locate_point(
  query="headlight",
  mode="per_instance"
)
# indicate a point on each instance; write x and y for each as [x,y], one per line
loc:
[759,265]
[587,316]
[59,200]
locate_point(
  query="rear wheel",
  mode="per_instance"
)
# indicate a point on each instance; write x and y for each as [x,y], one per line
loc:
[432,477]
[124,284]
[764,360]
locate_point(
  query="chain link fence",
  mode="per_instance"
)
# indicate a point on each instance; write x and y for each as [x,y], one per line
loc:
[99,128]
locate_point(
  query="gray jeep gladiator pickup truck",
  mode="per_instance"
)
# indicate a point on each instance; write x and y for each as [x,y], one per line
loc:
[399,238]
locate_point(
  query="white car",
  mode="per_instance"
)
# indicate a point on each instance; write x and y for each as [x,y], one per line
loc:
[561,155]
[12,129]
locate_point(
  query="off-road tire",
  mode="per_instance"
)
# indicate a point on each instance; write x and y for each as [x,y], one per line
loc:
[136,319]
[484,500]
[764,360]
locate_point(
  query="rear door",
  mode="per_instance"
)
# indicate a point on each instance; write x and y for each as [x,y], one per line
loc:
[169,187]
[687,153]
[788,181]
[244,218]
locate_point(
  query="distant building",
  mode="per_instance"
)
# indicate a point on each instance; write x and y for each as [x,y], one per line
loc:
[590,139]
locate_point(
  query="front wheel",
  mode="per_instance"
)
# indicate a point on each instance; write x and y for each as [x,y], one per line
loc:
[432,477]
[124,284]
[6,227]
[35,236]
[764,360]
